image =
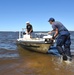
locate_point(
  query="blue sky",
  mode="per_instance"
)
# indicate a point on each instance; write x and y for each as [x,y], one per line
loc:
[15,13]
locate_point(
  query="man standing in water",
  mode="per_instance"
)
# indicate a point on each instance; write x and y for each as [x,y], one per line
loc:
[29,28]
[63,38]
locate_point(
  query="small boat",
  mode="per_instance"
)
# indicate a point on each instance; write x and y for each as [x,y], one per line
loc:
[35,44]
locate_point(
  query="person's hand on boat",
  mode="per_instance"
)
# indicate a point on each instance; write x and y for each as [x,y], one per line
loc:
[53,37]
[29,32]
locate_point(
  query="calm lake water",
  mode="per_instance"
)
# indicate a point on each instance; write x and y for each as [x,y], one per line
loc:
[15,60]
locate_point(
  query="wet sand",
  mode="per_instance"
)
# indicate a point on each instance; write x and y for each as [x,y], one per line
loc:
[33,63]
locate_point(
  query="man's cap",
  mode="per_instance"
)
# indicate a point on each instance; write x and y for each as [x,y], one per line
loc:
[27,22]
[51,19]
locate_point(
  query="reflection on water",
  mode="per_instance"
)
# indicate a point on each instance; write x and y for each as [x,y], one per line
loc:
[8,55]
[15,60]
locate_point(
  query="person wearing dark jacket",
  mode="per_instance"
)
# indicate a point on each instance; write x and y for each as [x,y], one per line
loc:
[63,38]
[29,28]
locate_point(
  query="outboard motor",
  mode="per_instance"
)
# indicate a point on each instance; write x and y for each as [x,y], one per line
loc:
[48,41]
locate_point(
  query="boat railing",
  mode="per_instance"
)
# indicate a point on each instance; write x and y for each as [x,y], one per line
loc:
[34,35]
[22,32]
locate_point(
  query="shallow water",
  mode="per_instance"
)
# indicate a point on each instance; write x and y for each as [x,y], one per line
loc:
[15,60]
